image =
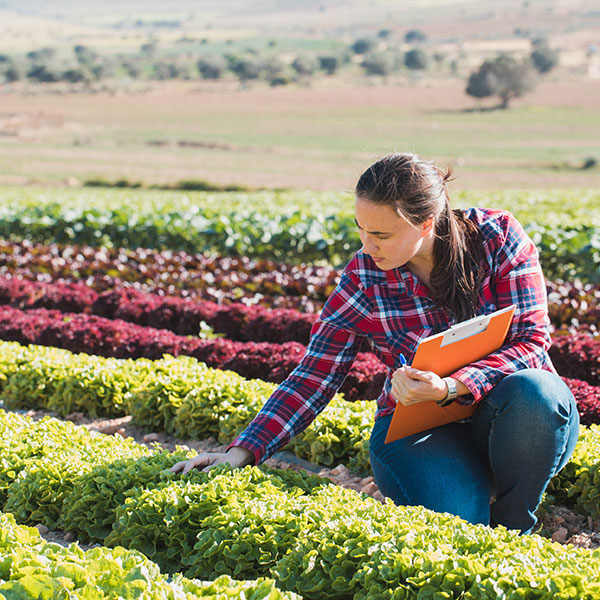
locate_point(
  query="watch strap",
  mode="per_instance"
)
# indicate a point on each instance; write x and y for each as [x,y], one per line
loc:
[452,392]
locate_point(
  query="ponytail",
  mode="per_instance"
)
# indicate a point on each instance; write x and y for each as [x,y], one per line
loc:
[457,252]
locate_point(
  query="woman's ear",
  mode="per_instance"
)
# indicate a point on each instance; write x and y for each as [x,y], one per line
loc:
[427,226]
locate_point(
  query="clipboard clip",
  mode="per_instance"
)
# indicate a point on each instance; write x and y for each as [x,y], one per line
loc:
[465,329]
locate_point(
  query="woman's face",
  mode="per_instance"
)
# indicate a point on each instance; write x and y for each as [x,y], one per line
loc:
[387,237]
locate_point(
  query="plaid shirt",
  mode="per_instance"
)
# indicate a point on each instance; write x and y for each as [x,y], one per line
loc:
[394,310]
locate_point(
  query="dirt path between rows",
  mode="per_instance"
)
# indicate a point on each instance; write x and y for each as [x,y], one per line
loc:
[560,524]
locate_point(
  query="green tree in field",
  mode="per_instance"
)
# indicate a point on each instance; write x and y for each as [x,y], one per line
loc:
[543,57]
[10,70]
[44,73]
[212,67]
[329,63]
[149,48]
[13,73]
[363,45]
[76,75]
[503,76]
[305,65]
[43,54]
[416,59]
[414,36]
[85,56]
[274,71]
[378,63]
[245,67]
[102,68]
[171,69]
[133,68]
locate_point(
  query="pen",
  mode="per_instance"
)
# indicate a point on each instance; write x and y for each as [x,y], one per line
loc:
[402,360]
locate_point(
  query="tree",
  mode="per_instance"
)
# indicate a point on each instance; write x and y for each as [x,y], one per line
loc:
[274,71]
[212,67]
[43,73]
[149,48]
[329,63]
[416,59]
[304,65]
[13,73]
[42,54]
[170,69]
[9,70]
[102,68]
[414,36]
[502,76]
[378,63]
[363,45]
[245,67]
[132,68]
[76,75]
[543,57]
[84,55]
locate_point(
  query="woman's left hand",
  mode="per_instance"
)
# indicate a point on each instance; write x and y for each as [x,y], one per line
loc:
[411,386]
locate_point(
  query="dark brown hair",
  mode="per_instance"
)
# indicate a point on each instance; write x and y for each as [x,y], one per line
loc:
[416,189]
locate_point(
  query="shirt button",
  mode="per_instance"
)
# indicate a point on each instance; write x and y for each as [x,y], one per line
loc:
[411,346]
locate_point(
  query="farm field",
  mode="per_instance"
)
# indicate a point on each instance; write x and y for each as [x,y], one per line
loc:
[143,320]
[189,345]
[317,138]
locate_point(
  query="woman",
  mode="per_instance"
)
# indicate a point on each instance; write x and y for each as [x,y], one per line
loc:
[422,268]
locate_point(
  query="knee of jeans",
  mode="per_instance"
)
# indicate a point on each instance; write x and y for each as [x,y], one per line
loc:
[375,449]
[378,433]
[538,390]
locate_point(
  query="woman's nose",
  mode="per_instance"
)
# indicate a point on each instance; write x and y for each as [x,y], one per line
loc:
[369,247]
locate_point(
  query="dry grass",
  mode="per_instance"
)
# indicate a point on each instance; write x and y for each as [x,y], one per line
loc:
[312,138]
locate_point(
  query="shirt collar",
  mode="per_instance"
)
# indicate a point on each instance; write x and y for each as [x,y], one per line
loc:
[404,280]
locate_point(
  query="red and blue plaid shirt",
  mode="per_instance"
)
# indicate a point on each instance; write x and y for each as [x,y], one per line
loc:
[394,310]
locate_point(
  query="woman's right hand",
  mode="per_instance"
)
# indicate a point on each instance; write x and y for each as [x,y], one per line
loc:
[237,456]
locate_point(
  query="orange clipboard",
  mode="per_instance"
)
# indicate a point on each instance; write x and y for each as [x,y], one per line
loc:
[445,353]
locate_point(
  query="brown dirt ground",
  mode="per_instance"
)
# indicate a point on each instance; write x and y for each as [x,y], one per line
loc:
[63,136]
[560,524]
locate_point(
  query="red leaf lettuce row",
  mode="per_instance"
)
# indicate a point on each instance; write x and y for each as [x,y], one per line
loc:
[119,339]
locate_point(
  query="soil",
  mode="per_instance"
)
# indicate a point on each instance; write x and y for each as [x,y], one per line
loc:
[560,523]
[285,137]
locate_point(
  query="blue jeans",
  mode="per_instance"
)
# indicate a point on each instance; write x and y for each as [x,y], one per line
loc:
[492,470]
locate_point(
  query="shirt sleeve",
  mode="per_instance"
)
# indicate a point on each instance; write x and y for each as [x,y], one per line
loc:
[518,280]
[334,343]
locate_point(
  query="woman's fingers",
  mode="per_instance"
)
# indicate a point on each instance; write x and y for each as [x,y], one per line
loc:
[201,460]
[410,386]
[178,466]
[399,392]
[204,461]
[420,375]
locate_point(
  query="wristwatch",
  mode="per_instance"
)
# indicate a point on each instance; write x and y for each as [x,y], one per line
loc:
[452,392]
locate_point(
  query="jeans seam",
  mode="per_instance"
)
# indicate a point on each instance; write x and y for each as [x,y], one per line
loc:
[393,476]
[565,437]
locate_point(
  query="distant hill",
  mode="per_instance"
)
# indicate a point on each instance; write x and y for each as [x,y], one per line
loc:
[438,18]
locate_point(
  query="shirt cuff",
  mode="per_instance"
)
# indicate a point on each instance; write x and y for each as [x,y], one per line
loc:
[475,381]
[257,453]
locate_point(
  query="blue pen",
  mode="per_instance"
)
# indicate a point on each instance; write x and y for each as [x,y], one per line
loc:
[402,360]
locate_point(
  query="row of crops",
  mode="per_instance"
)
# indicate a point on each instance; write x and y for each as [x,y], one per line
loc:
[314,538]
[33,568]
[113,304]
[320,230]
[189,400]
